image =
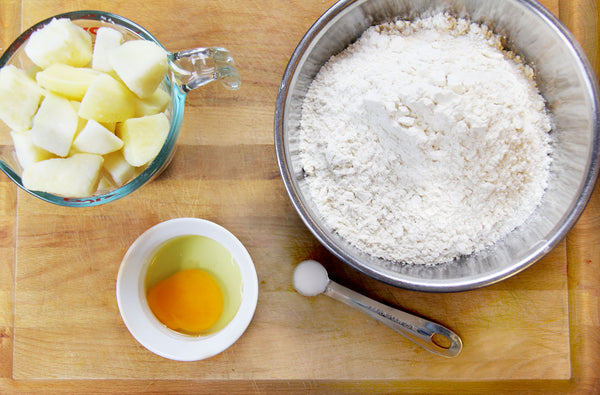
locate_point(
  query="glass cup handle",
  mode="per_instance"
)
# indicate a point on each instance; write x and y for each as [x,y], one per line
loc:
[197,67]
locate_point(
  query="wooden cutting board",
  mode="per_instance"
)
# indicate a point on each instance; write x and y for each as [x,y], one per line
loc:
[66,321]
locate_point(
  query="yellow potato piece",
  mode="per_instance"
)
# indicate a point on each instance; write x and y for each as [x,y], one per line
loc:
[153,104]
[96,139]
[19,98]
[107,39]
[54,125]
[143,137]
[119,169]
[68,81]
[27,152]
[60,41]
[107,100]
[141,65]
[75,176]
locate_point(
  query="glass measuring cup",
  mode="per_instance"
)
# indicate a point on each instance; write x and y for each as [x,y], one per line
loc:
[188,70]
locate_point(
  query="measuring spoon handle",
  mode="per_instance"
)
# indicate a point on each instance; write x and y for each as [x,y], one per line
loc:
[427,334]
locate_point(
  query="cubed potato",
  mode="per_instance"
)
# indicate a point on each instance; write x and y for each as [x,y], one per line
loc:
[107,100]
[143,137]
[107,39]
[27,152]
[119,169]
[75,176]
[60,41]
[105,183]
[96,139]
[141,65]
[19,98]
[68,81]
[155,103]
[54,125]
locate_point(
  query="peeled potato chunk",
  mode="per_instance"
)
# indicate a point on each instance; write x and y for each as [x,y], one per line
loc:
[141,65]
[109,125]
[60,41]
[143,137]
[19,98]
[54,125]
[155,103]
[75,176]
[107,100]
[27,152]
[105,183]
[119,169]
[107,39]
[96,139]
[68,81]
[80,121]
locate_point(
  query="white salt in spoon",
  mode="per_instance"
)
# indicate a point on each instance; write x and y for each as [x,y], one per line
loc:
[310,279]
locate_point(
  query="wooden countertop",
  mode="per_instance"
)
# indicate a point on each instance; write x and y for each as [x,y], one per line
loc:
[60,330]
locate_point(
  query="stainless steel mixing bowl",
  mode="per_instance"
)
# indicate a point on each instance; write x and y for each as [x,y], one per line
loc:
[565,80]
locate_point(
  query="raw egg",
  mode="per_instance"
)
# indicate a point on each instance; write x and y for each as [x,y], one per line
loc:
[189,301]
[193,285]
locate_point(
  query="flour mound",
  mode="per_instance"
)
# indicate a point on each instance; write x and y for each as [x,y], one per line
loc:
[425,140]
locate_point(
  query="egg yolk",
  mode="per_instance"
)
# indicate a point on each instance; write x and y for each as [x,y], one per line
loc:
[189,301]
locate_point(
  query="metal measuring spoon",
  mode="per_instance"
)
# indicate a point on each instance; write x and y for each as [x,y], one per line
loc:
[311,279]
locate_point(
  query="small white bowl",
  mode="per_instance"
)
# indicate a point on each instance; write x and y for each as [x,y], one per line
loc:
[143,325]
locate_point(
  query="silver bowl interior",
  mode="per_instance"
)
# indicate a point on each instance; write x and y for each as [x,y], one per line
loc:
[565,80]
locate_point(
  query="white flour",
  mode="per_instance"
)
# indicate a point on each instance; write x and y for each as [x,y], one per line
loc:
[425,140]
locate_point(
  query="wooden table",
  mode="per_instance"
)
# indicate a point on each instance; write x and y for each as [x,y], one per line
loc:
[60,330]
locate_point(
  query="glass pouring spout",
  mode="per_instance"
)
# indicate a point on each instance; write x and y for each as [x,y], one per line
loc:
[197,67]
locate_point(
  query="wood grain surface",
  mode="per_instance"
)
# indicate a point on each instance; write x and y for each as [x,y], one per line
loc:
[60,329]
